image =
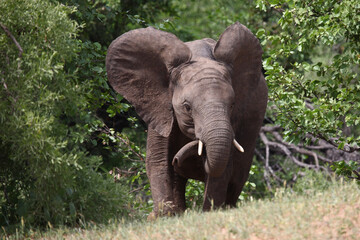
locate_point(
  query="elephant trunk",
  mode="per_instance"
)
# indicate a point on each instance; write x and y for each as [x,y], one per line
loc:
[185,152]
[218,137]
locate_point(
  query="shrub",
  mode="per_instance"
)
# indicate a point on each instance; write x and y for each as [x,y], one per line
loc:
[46,174]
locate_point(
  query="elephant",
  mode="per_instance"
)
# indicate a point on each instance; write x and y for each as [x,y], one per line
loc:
[203,101]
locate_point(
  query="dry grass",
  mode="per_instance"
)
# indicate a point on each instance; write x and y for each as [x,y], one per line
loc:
[316,214]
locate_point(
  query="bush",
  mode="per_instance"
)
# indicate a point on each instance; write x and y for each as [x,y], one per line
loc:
[47,176]
[312,70]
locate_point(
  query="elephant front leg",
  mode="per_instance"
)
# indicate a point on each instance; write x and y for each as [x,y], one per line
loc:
[179,192]
[216,189]
[215,193]
[159,174]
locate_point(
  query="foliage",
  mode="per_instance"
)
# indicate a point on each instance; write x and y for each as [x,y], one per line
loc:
[311,182]
[45,171]
[348,169]
[105,20]
[208,19]
[312,69]
[194,194]
[254,187]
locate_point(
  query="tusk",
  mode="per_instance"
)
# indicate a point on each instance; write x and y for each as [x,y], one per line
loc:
[238,146]
[200,147]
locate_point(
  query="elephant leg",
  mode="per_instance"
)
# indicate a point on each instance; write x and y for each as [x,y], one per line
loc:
[176,141]
[179,192]
[159,174]
[242,164]
[216,189]
[233,193]
[215,193]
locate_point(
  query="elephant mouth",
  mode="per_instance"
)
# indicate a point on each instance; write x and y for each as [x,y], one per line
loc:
[196,149]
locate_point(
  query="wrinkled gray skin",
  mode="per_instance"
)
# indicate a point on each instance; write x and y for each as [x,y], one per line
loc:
[200,90]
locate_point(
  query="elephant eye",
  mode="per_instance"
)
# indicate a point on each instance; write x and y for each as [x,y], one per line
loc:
[187,107]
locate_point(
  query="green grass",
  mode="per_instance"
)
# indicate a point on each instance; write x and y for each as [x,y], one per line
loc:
[318,211]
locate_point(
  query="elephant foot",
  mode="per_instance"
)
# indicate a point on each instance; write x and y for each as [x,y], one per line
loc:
[153,216]
[164,209]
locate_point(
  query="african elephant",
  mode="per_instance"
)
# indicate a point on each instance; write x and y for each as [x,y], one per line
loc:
[203,102]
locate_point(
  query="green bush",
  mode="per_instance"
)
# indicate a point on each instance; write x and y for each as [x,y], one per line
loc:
[46,175]
[312,69]
[313,182]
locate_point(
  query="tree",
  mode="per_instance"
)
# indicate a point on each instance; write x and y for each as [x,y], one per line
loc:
[312,69]
[45,170]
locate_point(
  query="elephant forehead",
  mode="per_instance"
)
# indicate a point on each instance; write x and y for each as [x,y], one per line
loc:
[205,90]
[204,70]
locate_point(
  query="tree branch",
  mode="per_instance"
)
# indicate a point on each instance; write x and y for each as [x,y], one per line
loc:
[268,170]
[12,38]
[285,150]
[318,149]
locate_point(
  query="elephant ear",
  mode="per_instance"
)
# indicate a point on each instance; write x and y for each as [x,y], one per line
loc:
[138,65]
[241,50]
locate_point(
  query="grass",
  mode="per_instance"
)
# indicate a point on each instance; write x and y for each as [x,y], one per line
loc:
[318,211]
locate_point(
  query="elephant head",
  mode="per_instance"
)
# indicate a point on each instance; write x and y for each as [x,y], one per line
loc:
[202,85]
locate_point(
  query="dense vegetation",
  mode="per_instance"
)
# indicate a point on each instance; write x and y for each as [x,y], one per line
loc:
[71,149]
